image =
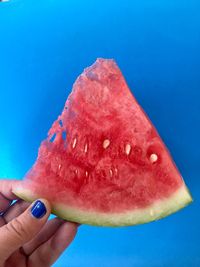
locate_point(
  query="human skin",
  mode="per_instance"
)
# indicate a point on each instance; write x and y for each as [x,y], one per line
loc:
[27,241]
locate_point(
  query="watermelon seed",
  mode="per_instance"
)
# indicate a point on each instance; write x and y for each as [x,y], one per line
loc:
[128,149]
[111,173]
[153,158]
[106,143]
[86,148]
[151,212]
[76,171]
[59,166]
[86,174]
[74,143]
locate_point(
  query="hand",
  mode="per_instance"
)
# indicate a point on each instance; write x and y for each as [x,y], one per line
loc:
[27,239]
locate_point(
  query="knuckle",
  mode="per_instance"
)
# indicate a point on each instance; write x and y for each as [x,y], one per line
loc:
[17,227]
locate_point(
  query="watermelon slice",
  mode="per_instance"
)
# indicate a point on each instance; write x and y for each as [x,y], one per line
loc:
[103,162]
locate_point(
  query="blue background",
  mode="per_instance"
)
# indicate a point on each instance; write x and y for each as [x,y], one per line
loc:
[44,46]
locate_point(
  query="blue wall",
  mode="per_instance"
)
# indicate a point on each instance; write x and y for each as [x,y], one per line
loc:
[45,44]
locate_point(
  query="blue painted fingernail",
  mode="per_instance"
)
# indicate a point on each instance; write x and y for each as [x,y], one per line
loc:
[38,210]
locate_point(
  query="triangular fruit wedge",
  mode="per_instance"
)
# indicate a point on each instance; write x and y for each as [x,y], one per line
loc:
[103,162]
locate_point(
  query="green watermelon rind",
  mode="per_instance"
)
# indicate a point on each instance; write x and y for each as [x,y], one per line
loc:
[159,209]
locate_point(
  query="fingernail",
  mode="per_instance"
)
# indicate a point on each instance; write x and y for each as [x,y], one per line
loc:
[38,210]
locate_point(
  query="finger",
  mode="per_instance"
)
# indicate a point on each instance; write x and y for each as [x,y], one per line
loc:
[23,228]
[6,195]
[6,187]
[2,221]
[48,253]
[47,231]
[15,210]
[16,260]
[4,203]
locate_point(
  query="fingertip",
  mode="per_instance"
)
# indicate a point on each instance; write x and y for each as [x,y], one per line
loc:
[6,188]
[74,224]
[64,236]
[70,227]
[47,204]
[40,208]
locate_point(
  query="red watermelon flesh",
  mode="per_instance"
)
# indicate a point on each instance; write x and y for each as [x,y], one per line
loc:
[103,162]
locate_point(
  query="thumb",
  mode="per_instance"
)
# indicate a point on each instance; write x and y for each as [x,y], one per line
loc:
[23,228]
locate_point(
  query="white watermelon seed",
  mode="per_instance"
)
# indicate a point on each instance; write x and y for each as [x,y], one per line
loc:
[86,148]
[151,212]
[86,174]
[153,158]
[76,171]
[111,172]
[74,143]
[59,166]
[128,149]
[106,143]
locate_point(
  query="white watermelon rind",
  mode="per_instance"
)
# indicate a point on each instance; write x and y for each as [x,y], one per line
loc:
[155,211]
